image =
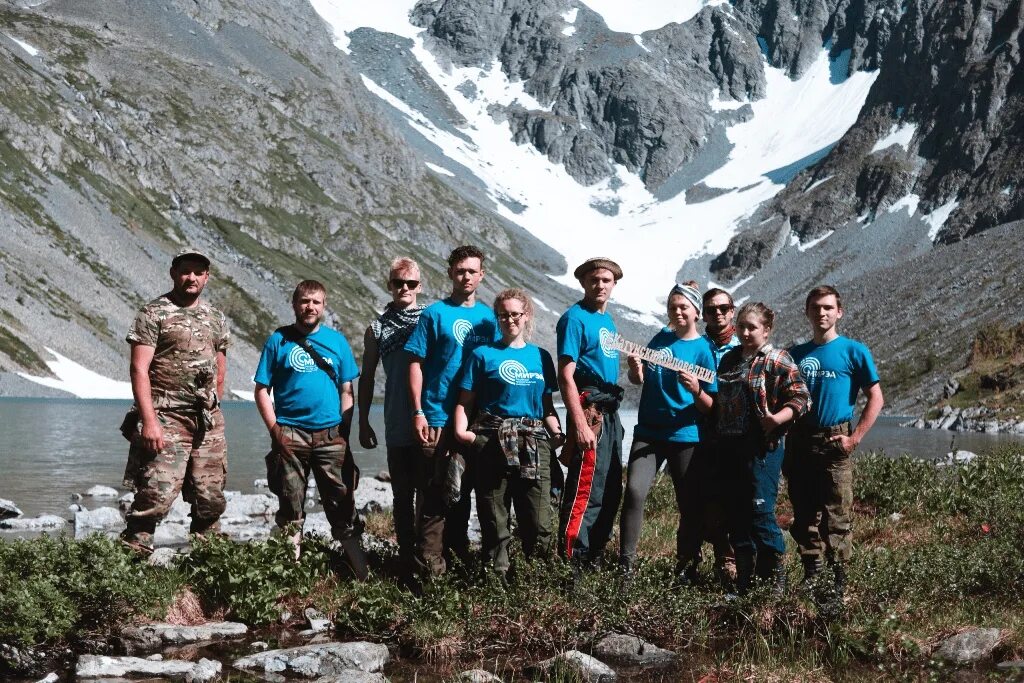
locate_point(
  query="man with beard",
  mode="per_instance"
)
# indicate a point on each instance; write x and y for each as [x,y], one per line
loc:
[176,428]
[310,368]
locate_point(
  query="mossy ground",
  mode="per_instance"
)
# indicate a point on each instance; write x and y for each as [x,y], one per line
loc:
[937,550]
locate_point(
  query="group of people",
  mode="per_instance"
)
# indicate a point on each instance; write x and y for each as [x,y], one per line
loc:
[468,408]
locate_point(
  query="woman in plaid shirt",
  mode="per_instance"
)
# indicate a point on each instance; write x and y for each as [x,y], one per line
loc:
[760,393]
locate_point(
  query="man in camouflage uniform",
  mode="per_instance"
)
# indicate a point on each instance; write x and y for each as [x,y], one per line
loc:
[178,365]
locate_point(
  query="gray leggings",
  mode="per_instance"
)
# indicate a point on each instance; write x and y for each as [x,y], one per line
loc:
[645,459]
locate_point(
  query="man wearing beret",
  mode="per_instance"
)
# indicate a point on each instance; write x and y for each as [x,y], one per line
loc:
[176,428]
[588,372]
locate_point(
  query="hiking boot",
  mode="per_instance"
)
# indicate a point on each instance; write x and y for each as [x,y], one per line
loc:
[812,567]
[770,568]
[744,570]
[839,581]
[687,574]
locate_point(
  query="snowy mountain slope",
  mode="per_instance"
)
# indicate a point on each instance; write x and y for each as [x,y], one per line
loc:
[770,138]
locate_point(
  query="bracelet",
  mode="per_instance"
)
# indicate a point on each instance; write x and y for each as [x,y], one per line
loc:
[418,413]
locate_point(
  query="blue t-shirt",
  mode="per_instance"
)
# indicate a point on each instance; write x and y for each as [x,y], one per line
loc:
[304,395]
[667,411]
[835,372]
[583,336]
[444,333]
[510,382]
[719,351]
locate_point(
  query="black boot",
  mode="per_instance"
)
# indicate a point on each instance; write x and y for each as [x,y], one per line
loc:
[812,567]
[770,569]
[744,570]
[686,573]
[839,581]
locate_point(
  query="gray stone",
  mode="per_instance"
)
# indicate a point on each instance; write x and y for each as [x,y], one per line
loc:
[100,519]
[162,557]
[384,475]
[174,634]
[316,524]
[374,495]
[8,510]
[251,505]
[259,646]
[314,661]
[49,678]
[260,483]
[477,676]
[97,666]
[1011,665]
[353,676]
[632,650]
[587,668]
[102,492]
[170,533]
[180,512]
[33,523]
[317,622]
[970,646]
[124,503]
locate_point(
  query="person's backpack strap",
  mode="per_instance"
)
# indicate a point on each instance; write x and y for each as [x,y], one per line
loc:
[291,333]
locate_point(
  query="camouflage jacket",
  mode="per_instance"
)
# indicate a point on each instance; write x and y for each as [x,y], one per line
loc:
[183,373]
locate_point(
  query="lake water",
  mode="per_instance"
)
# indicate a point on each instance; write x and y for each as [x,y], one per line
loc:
[53,448]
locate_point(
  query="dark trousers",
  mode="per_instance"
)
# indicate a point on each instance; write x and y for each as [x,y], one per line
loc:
[593,491]
[645,459]
[710,472]
[820,477]
[403,465]
[326,455]
[441,529]
[499,489]
[752,473]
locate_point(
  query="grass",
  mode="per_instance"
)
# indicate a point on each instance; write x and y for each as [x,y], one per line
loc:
[937,551]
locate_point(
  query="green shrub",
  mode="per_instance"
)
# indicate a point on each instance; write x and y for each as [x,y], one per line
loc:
[251,579]
[56,587]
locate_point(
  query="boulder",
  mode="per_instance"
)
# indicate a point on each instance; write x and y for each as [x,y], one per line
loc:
[157,635]
[33,523]
[353,676]
[97,666]
[316,524]
[632,650]
[374,495]
[251,505]
[316,661]
[170,533]
[580,665]
[100,519]
[180,511]
[8,510]
[125,501]
[102,492]
[317,622]
[260,483]
[477,676]
[49,678]
[1012,665]
[162,557]
[970,646]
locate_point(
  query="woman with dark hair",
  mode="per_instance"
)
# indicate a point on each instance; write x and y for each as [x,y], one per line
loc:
[760,393]
[513,434]
[669,429]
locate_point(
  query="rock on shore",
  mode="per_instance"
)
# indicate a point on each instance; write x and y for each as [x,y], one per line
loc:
[315,661]
[95,666]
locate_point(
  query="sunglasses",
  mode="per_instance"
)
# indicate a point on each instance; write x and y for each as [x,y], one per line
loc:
[511,317]
[398,283]
[722,310]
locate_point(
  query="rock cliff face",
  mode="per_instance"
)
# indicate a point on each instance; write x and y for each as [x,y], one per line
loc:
[644,101]
[236,126]
[940,134]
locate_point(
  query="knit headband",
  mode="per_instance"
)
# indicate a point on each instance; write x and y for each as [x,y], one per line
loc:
[691,294]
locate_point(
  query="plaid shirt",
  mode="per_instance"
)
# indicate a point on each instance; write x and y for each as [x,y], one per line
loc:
[774,381]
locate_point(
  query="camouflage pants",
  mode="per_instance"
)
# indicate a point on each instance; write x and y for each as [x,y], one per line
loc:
[820,480]
[326,454]
[193,462]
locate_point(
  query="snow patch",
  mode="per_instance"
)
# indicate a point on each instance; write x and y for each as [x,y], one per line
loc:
[909,203]
[439,169]
[639,40]
[560,212]
[570,18]
[818,182]
[795,121]
[937,218]
[541,305]
[638,16]
[900,134]
[569,31]
[25,46]
[804,246]
[243,395]
[78,380]
[718,104]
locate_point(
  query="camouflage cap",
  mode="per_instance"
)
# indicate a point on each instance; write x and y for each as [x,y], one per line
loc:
[595,263]
[190,252]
